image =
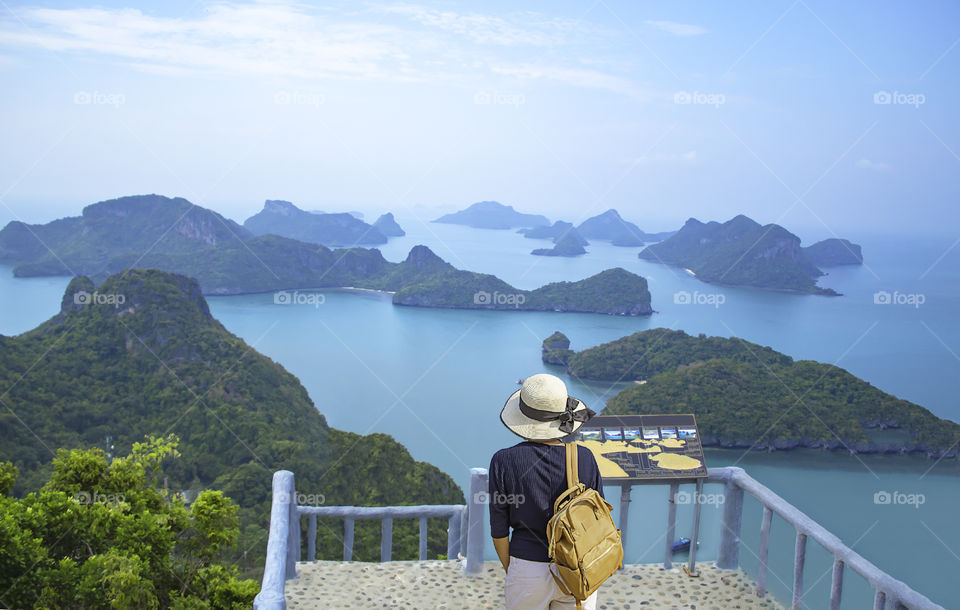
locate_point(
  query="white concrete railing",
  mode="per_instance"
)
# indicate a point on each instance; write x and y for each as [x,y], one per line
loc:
[466,529]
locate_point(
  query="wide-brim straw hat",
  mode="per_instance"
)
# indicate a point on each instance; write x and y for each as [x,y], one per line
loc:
[541,410]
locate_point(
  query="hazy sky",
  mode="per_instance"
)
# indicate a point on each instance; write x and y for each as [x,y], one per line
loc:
[663,110]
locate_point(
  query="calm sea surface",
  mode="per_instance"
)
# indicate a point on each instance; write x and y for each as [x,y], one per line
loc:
[436,380]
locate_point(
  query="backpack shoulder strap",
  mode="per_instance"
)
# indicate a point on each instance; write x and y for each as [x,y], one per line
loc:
[573,478]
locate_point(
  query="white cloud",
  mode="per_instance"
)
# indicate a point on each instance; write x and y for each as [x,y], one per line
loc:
[286,39]
[528,29]
[662,157]
[579,77]
[876,166]
[677,29]
[260,39]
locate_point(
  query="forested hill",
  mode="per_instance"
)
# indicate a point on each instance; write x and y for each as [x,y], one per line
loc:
[141,354]
[747,395]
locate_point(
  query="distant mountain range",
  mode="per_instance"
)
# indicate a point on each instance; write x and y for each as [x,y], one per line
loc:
[344,229]
[174,235]
[611,227]
[749,396]
[493,215]
[741,252]
[141,354]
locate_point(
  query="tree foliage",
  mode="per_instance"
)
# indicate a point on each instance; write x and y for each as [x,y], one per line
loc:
[103,534]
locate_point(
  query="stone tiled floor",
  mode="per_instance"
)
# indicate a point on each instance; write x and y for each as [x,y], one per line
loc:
[442,584]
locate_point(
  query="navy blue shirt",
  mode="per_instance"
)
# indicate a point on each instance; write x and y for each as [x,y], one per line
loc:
[525,481]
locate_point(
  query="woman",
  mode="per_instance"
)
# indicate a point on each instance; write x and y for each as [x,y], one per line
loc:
[526,479]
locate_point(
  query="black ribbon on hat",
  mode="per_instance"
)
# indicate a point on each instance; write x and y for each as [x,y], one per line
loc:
[566,417]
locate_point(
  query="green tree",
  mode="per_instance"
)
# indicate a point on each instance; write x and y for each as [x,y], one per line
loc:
[104,534]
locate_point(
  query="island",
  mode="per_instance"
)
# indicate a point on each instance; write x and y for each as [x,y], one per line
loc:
[611,227]
[555,349]
[388,226]
[749,396]
[740,252]
[554,232]
[140,354]
[493,215]
[177,236]
[834,252]
[287,220]
[568,245]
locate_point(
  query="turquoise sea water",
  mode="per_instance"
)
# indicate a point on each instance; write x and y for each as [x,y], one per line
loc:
[436,379]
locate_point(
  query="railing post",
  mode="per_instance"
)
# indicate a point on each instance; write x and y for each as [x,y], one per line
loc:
[836,587]
[423,538]
[275,567]
[764,551]
[293,541]
[348,539]
[624,515]
[695,536]
[879,600]
[799,558]
[476,514]
[671,524]
[728,558]
[453,535]
[386,538]
[464,529]
[312,539]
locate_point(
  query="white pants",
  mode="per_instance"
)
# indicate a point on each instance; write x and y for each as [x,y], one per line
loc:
[529,586]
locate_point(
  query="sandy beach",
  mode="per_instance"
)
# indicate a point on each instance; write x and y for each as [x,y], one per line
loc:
[442,585]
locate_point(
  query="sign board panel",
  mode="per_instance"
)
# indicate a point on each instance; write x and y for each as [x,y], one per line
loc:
[631,448]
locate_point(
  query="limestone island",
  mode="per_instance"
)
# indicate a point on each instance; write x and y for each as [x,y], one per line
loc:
[151,231]
[749,396]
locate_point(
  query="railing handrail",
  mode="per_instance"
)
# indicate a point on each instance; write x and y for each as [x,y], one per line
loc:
[283,546]
[380,512]
[894,590]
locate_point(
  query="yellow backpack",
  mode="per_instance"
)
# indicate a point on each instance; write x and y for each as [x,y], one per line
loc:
[584,542]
